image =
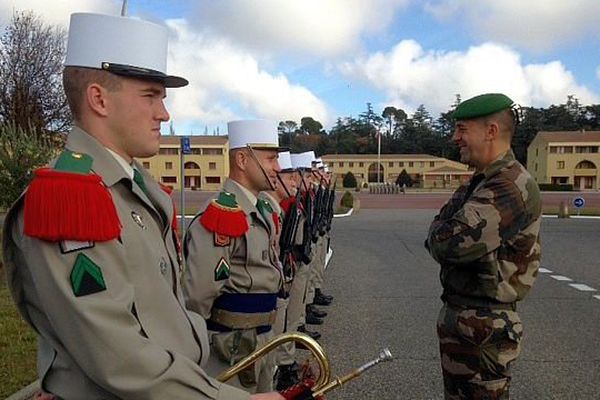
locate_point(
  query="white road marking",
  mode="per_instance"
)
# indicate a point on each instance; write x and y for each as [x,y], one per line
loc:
[544,271]
[582,287]
[561,278]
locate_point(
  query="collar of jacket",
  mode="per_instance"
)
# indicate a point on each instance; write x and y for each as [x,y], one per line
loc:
[503,161]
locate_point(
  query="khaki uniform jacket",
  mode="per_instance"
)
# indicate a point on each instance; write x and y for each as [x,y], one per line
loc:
[252,258]
[134,340]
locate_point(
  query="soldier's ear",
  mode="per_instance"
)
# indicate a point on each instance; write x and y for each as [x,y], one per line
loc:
[492,131]
[241,159]
[96,99]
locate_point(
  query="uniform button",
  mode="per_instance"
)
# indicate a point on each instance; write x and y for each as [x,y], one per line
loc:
[163,266]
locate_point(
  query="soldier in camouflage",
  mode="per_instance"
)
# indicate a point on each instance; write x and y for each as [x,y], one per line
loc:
[486,239]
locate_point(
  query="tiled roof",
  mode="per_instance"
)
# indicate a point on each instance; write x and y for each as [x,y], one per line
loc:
[384,157]
[570,136]
[195,140]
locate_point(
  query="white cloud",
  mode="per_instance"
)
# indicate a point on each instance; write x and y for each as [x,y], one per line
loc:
[317,27]
[534,24]
[57,12]
[223,77]
[410,76]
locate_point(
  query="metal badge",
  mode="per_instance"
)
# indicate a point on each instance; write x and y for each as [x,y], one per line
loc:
[163,266]
[137,218]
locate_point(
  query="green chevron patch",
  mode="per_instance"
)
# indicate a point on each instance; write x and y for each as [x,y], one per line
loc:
[86,277]
[222,270]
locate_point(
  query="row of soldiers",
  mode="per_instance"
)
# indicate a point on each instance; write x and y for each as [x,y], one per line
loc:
[255,256]
[94,263]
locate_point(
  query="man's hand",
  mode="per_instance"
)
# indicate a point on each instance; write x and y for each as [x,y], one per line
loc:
[267,396]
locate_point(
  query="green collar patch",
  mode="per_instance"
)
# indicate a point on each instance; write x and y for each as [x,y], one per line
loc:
[86,277]
[222,270]
[227,199]
[77,163]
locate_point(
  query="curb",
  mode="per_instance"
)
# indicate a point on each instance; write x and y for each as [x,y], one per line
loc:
[28,392]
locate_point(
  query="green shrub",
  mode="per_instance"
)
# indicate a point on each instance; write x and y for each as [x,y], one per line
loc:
[556,187]
[347,200]
[349,180]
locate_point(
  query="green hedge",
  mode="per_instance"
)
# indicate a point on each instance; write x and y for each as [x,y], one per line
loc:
[552,187]
[347,200]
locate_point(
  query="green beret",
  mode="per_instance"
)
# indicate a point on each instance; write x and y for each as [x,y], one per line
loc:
[482,105]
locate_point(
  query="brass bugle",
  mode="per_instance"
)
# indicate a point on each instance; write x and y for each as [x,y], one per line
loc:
[311,344]
[385,355]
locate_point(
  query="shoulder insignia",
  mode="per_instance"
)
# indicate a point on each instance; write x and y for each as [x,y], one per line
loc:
[222,270]
[86,276]
[221,240]
[69,246]
[69,202]
[224,216]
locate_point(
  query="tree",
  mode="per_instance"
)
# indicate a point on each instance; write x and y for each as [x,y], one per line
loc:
[21,151]
[404,179]
[310,126]
[287,131]
[31,56]
[349,180]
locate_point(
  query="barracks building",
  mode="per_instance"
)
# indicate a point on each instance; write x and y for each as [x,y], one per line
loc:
[562,158]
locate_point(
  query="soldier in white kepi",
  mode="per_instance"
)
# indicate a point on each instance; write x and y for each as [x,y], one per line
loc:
[233,273]
[92,259]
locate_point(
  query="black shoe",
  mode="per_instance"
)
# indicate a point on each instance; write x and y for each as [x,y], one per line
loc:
[287,376]
[319,300]
[313,319]
[313,334]
[321,294]
[312,309]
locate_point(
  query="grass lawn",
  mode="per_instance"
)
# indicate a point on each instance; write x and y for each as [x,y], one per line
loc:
[553,210]
[17,345]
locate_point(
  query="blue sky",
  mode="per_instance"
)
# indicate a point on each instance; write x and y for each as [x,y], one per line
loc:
[326,59]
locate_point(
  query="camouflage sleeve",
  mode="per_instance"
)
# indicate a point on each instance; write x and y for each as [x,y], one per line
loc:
[492,214]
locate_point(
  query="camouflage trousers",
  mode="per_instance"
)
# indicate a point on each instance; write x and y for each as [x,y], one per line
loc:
[477,347]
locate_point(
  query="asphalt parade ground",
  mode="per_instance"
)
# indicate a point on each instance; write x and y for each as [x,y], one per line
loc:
[386,290]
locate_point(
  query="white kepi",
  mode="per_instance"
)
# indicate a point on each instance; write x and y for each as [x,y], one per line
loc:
[121,45]
[256,134]
[285,162]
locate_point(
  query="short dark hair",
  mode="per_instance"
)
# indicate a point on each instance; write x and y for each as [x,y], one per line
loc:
[505,119]
[77,79]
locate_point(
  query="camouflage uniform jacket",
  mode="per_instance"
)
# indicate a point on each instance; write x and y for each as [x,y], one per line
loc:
[486,237]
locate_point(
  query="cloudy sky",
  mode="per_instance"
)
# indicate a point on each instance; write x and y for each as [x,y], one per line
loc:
[286,59]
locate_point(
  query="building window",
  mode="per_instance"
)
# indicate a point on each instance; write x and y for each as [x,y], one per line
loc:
[172,151]
[169,179]
[411,164]
[212,165]
[432,164]
[585,165]
[146,164]
[361,164]
[168,165]
[421,164]
[341,164]
[212,152]
[535,167]
[213,179]
[196,151]
[586,149]
[560,165]
[350,164]
[191,165]
[401,164]
[391,164]
[536,152]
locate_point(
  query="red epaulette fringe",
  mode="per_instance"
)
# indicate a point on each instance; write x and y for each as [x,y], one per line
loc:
[67,206]
[224,220]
